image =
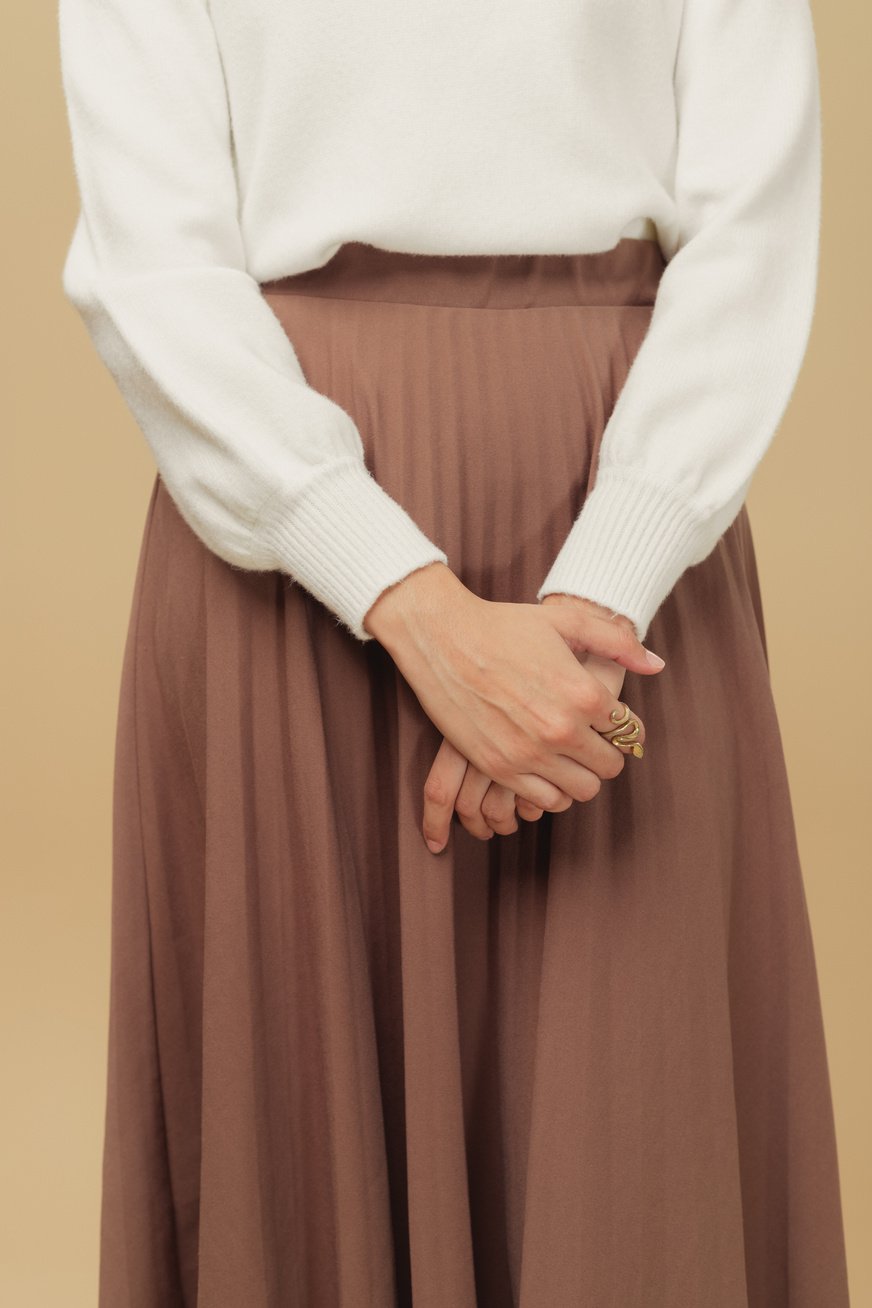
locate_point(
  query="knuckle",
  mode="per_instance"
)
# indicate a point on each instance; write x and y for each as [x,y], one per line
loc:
[616,760]
[560,729]
[478,828]
[588,788]
[465,806]
[526,809]
[435,791]
[533,759]
[612,762]
[508,827]
[588,699]
[496,811]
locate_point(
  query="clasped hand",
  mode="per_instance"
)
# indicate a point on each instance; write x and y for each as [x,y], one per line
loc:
[520,692]
[483,806]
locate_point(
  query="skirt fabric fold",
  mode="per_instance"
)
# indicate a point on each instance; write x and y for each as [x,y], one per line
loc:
[581,1066]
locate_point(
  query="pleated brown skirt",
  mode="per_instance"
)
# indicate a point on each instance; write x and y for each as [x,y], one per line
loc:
[580,1066]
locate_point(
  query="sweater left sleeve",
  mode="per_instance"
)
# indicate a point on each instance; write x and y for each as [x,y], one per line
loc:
[267,471]
[711,380]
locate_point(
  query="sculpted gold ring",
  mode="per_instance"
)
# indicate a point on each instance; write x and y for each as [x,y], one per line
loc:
[625,733]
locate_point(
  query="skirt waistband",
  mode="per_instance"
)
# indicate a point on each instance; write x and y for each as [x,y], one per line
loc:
[626,274]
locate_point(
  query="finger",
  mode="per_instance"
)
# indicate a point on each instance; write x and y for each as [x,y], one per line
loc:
[633,729]
[498,809]
[538,792]
[564,777]
[440,792]
[609,759]
[567,779]
[578,733]
[575,779]
[529,812]
[583,758]
[610,673]
[585,630]
[468,803]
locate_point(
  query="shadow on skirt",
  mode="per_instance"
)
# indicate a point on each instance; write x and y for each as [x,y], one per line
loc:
[581,1066]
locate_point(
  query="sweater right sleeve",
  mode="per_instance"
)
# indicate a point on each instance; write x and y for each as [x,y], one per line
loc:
[711,380]
[268,472]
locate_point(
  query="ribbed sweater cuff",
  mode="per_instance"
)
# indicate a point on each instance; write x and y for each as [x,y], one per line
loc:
[345,539]
[628,546]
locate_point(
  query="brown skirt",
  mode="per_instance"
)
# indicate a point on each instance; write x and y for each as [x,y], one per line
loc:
[579,1066]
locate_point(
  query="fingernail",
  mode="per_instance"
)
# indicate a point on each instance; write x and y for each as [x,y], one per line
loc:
[654,659]
[434,846]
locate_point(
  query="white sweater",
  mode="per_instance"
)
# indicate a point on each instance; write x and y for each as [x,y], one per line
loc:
[218,144]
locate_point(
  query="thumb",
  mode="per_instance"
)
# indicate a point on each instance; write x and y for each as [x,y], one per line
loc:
[587,631]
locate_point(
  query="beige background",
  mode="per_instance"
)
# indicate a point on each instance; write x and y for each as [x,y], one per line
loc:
[76,479]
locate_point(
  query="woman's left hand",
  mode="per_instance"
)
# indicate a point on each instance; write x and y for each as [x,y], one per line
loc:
[485,808]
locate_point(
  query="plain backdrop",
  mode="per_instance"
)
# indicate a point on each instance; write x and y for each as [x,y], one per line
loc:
[76,478]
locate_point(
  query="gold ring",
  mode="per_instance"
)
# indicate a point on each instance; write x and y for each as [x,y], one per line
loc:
[625,733]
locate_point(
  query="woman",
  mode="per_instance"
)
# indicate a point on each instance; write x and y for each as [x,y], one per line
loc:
[457,333]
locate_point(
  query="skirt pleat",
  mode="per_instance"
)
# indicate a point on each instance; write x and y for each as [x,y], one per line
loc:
[580,1065]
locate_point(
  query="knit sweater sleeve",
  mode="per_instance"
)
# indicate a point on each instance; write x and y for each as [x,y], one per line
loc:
[711,380]
[268,472]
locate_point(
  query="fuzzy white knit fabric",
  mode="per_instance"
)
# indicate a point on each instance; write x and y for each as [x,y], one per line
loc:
[219,144]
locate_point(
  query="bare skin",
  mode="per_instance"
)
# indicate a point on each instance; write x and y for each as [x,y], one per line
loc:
[483,806]
[507,685]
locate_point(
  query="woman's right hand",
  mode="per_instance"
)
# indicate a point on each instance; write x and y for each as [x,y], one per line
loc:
[501,681]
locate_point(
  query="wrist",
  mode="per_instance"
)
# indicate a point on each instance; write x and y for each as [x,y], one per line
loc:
[426,590]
